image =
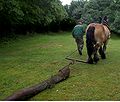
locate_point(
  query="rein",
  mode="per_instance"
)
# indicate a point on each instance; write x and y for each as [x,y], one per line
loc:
[105,23]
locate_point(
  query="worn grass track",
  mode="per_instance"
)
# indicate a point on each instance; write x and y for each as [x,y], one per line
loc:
[30,60]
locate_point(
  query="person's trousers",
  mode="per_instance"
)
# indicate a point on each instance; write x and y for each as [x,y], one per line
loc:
[80,44]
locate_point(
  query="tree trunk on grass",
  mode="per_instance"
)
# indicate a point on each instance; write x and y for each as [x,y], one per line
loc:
[27,93]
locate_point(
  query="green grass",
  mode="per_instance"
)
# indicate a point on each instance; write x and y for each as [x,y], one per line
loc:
[30,60]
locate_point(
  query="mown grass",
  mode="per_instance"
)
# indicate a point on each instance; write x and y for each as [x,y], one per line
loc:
[30,60]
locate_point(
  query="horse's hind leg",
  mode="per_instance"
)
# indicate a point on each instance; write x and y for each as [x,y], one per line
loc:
[96,58]
[90,60]
[102,53]
[89,51]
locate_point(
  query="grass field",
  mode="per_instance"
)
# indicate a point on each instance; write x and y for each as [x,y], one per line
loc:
[30,60]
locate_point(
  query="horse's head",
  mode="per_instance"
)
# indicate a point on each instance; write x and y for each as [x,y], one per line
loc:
[105,20]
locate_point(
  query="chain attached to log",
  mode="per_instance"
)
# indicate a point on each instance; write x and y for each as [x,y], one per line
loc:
[73,60]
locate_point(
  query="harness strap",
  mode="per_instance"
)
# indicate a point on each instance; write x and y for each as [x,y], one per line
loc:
[105,23]
[75,60]
[71,53]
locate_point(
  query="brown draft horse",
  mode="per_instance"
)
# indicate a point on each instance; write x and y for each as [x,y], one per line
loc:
[97,35]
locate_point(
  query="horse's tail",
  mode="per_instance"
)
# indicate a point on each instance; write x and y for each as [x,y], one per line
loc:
[90,39]
[90,34]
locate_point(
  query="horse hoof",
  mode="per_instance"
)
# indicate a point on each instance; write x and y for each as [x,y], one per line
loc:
[90,61]
[103,57]
[96,60]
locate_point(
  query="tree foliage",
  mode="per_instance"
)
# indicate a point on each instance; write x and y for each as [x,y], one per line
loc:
[20,16]
[17,15]
[91,10]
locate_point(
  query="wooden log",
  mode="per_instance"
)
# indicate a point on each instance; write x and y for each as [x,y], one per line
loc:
[27,93]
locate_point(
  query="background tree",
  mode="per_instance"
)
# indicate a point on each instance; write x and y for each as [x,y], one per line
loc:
[75,10]
[21,16]
[91,10]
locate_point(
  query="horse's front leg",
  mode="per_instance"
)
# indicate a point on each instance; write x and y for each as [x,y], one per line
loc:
[104,47]
[102,52]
